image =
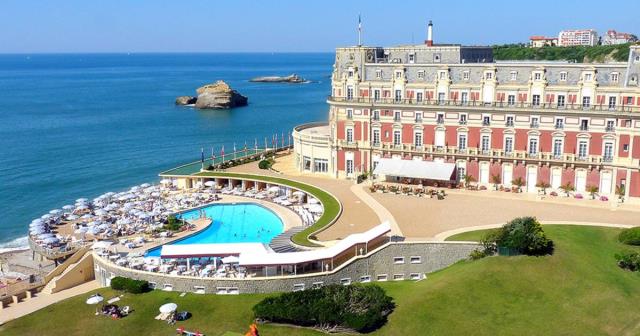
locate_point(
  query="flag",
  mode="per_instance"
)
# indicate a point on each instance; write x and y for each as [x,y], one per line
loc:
[245,145]
[265,143]
[359,23]
[222,153]
[256,144]
[275,141]
[282,140]
[202,152]
[213,156]
[234,150]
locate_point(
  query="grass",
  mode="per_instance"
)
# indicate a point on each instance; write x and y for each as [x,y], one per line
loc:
[332,207]
[578,290]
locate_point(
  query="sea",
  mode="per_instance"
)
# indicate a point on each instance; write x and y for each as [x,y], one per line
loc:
[79,125]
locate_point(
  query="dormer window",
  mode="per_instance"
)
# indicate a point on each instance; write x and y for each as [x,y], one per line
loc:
[412,58]
[588,77]
[436,58]
[614,77]
[563,76]
[398,74]
[537,76]
[488,75]
[514,75]
[465,75]
[350,73]
[421,74]
[442,75]
[378,74]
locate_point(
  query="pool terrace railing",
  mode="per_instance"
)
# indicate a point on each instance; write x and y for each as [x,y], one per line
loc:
[196,166]
[331,205]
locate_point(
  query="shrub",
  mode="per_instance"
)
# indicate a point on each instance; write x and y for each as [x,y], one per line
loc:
[630,236]
[173,223]
[629,260]
[357,307]
[477,254]
[264,164]
[522,234]
[129,285]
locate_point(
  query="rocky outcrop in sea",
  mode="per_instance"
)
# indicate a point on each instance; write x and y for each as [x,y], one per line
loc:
[218,95]
[293,78]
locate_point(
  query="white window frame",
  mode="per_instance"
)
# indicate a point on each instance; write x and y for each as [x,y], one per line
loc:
[553,149]
[563,76]
[421,74]
[379,74]
[513,75]
[398,260]
[505,142]
[397,137]
[349,136]
[465,75]
[462,141]
[614,77]
[579,148]
[415,259]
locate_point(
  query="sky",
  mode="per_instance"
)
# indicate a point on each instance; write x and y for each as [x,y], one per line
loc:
[39,26]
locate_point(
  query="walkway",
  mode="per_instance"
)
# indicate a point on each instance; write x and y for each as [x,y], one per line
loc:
[43,300]
[381,211]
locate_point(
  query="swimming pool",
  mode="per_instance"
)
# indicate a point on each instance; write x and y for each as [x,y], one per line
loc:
[232,223]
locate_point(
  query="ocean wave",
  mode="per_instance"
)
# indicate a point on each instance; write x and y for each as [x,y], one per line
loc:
[18,244]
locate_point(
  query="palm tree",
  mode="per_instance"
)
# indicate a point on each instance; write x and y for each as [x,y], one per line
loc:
[568,187]
[620,191]
[592,190]
[496,179]
[518,182]
[468,179]
[543,185]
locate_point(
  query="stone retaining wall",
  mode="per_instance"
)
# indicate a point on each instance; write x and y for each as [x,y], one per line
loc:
[419,258]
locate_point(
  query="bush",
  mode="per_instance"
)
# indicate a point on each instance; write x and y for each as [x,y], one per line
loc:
[630,236]
[264,164]
[629,260]
[129,285]
[357,307]
[522,234]
[173,223]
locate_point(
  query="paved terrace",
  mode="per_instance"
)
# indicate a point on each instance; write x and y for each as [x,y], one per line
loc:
[424,218]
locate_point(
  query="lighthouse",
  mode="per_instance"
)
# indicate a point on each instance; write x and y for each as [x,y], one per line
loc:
[429,41]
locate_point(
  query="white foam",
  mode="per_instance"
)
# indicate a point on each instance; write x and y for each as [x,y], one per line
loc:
[18,244]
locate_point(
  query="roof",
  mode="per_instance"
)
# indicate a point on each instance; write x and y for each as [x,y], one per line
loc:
[430,170]
[209,250]
[541,38]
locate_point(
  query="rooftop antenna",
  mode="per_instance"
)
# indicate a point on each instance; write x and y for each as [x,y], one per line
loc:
[359,31]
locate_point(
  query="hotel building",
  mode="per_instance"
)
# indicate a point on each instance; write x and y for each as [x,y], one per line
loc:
[541,121]
[577,37]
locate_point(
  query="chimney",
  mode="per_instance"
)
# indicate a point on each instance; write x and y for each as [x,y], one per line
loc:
[429,40]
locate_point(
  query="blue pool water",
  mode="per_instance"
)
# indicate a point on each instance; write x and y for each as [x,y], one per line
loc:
[232,223]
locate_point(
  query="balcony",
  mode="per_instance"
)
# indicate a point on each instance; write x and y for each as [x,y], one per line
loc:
[487,106]
[440,121]
[584,127]
[559,126]
[462,122]
[607,159]
[534,125]
[348,144]
[509,124]
[610,129]
[486,123]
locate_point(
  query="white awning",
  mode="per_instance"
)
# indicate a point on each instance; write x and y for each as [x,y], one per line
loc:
[430,170]
[209,250]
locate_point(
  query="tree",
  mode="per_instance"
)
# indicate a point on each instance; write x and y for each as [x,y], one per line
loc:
[592,190]
[523,234]
[567,188]
[518,182]
[620,191]
[468,179]
[544,186]
[496,179]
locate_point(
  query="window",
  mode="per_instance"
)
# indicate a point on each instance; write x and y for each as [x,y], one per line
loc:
[465,75]
[365,278]
[398,74]
[440,118]
[441,97]
[628,100]
[586,101]
[376,114]
[582,149]
[419,97]
[442,75]
[398,260]
[436,58]
[625,147]
[349,114]
[381,277]
[535,122]
[416,259]
[509,121]
[317,285]
[418,117]
[199,289]
[398,95]
[345,281]
[508,145]
[298,287]
[349,167]
[488,75]
[396,116]
[412,58]
[421,74]
[614,77]
[349,92]
[587,77]
[563,76]
[306,163]
[584,125]
[486,121]
[350,73]
[376,95]
[463,119]
[559,123]
[612,102]
[561,101]
[349,135]
[417,139]
[511,100]
[610,125]
[608,152]
[398,277]
[320,165]
[484,144]
[557,148]
[537,76]
[376,137]
[464,98]
[378,74]
[514,75]
[414,276]
[462,141]
[533,146]
[535,100]
[397,140]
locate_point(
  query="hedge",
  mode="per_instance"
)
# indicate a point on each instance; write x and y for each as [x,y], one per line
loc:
[362,308]
[129,285]
[630,236]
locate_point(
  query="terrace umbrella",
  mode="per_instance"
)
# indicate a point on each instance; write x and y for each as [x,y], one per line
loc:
[37,220]
[103,244]
[313,201]
[51,240]
[101,212]
[145,185]
[68,207]
[316,208]
[82,207]
[274,189]
[168,308]
[298,193]
[166,181]
[55,211]
[72,217]
[34,225]
[82,229]
[210,183]
[36,231]
[46,216]
[94,299]
[46,235]
[86,216]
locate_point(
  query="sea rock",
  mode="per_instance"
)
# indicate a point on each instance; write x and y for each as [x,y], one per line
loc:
[219,95]
[186,100]
[293,78]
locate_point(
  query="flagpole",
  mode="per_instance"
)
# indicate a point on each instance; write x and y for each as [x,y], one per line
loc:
[202,157]
[359,31]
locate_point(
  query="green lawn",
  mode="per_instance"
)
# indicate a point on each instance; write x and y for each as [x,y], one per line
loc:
[332,207]
[577,291]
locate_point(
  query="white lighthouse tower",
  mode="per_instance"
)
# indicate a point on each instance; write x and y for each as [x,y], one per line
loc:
[429,40]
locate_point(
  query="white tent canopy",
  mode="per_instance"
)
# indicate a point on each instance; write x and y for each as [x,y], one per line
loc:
[430,170]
